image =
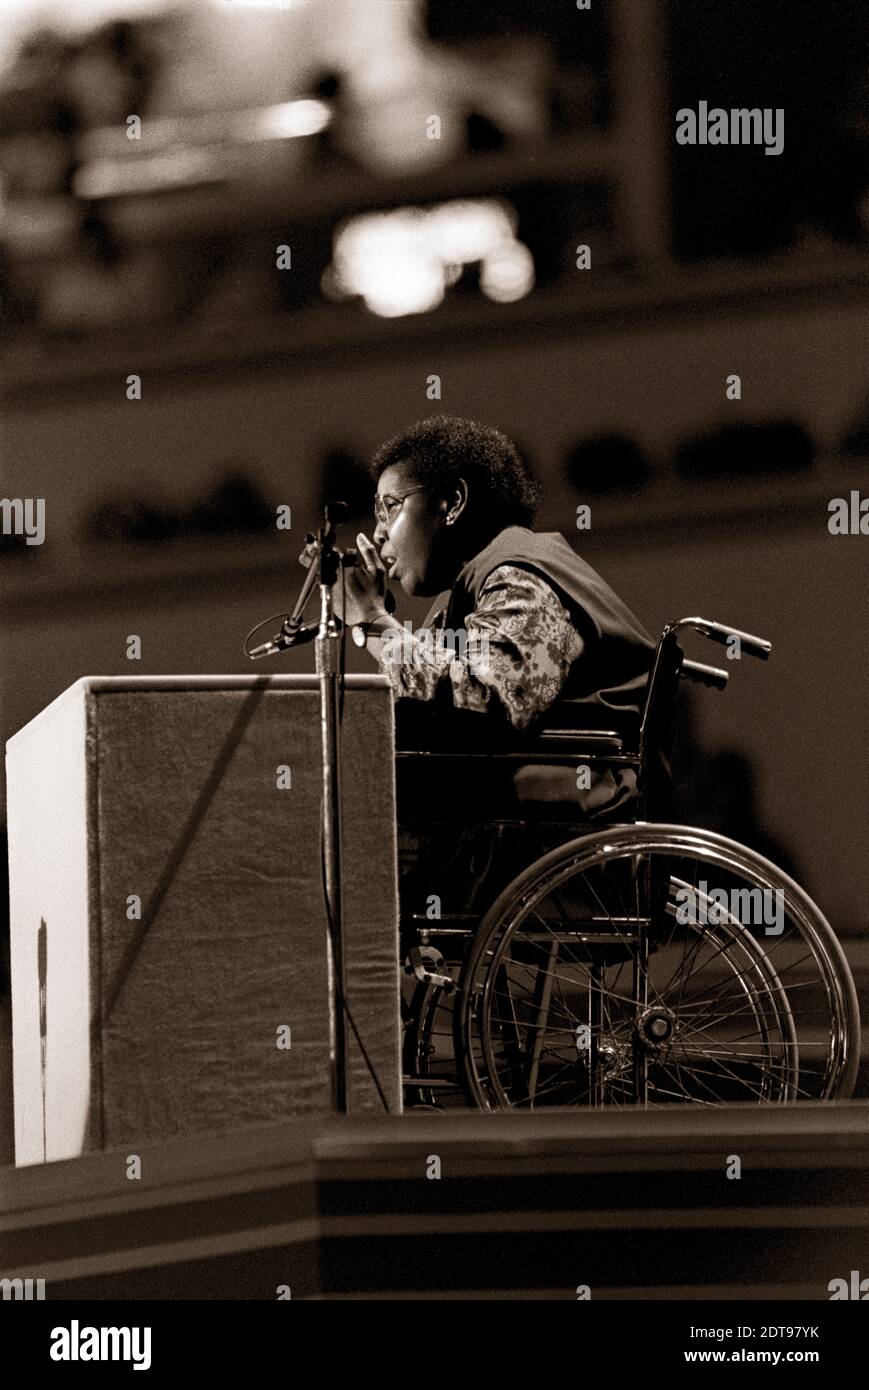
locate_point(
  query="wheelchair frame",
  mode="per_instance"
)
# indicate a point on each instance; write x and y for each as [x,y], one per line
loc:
[641,1033]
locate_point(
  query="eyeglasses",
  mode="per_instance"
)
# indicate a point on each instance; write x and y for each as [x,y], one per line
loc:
[386,508]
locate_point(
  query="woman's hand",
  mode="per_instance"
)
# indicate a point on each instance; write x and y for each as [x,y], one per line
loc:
[364,586]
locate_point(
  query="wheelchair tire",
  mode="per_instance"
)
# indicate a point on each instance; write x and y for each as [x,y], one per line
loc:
[618,970]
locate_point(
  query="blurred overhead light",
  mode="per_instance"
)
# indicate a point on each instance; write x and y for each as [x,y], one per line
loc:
[186,150]
[105,178]
[466,230]
[507,273]
[401,262]
[285,122]
[403,285]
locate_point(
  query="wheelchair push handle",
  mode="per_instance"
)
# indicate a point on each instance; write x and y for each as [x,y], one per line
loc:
[748,643]
[702,674]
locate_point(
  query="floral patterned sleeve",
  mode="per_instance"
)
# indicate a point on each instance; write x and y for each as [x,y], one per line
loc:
[512,657]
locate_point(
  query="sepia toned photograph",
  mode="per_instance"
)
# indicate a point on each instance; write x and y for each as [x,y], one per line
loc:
[434,596]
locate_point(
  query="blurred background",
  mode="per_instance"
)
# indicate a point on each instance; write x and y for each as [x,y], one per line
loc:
[303,225]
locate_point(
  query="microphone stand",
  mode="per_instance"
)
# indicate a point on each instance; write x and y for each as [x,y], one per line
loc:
[324,562]
[328,666]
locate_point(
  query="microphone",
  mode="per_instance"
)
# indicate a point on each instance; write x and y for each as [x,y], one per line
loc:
[349,559]
[292,633]
[288,636]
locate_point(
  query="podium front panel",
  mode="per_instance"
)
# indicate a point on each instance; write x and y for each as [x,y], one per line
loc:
[167,834]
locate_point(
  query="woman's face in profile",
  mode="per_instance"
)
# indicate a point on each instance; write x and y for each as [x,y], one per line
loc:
[409,532]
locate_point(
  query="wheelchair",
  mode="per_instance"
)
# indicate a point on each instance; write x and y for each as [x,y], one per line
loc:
[642,963]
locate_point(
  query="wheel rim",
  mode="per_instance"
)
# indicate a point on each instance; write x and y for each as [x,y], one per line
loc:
[428,1050]
[715,1011]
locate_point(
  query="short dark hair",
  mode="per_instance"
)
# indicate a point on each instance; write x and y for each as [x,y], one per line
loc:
[502,490]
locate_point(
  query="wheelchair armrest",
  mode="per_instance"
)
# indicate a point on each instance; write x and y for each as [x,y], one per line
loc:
[556,749]
[589,738]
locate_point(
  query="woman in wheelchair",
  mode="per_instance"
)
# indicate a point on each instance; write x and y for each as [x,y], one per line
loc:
[519,625]
[549,961]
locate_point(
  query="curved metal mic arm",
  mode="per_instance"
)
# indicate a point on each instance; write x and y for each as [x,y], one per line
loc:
[317,547]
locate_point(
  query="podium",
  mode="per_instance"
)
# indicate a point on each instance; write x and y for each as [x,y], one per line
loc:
[168,925]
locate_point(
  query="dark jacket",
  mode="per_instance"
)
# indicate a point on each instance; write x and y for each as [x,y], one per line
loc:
[610,674]
[604,688]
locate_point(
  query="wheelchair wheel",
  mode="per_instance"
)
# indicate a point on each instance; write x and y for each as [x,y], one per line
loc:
[655,965]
